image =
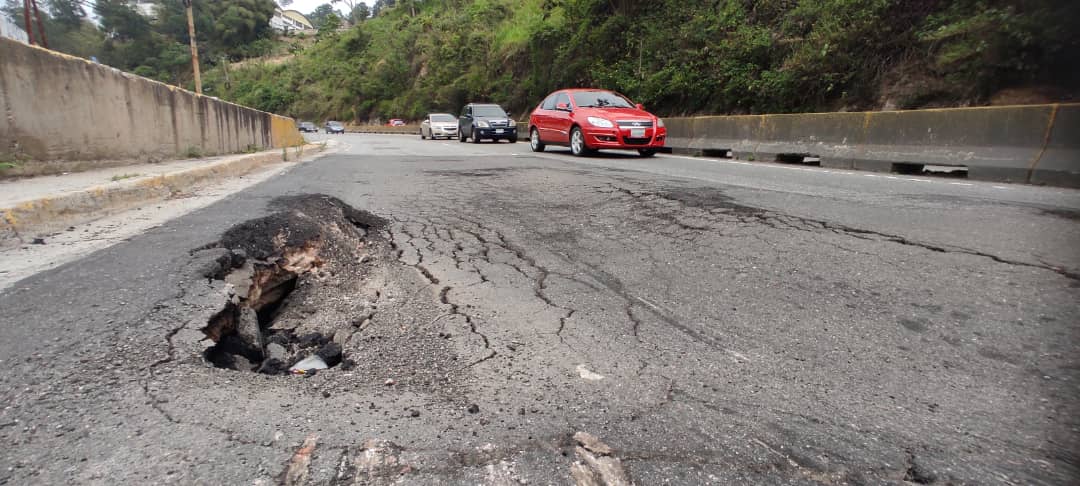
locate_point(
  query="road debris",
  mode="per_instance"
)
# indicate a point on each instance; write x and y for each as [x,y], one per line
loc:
[596,466]
[378,459]
[584,372]
[297,471]
[313,362]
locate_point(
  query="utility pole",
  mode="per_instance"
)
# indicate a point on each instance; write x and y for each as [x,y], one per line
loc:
[41,28]
[194,47]
[26,21]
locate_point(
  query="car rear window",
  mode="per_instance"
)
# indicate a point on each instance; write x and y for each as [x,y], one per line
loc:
[442,118]
[600,99]
[488,110]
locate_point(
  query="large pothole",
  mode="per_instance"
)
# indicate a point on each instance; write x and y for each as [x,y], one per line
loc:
[312,253]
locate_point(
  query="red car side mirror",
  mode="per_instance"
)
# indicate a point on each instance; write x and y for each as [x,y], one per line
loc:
[641,107]
[562,106]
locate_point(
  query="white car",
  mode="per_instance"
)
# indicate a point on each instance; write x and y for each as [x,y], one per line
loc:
[438,125]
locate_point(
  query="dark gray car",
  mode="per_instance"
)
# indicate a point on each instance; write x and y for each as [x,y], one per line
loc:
[481,120]
[334,127]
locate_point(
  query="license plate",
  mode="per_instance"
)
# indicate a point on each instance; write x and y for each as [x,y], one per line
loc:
[637,133]
[498,130]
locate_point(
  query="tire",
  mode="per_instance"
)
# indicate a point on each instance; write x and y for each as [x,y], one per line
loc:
[646,152]
[577,143]
[475,136]
[534,141]
[512,139]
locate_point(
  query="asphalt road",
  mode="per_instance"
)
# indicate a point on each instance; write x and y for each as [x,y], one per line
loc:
[711,321]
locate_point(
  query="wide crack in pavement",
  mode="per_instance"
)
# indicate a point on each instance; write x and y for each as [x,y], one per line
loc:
[460,325]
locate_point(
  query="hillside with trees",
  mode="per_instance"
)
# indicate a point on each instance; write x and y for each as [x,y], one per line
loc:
[679,56]
[404,58]
[155,46]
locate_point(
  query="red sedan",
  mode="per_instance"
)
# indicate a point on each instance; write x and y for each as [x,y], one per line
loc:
[587,120]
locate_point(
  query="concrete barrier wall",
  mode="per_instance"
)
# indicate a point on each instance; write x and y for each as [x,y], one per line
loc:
[412,129]
[406,129]
[65,114]
[1035,144]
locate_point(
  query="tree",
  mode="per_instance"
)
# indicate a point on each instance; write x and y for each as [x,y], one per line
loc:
[240,22]
[329,26]
[360,13]
[120,21]
[68,13]
[319,15]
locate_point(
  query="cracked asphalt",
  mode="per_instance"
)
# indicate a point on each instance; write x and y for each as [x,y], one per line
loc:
[710,321]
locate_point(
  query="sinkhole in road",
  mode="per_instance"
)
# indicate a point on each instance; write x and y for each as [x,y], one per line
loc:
[310,251]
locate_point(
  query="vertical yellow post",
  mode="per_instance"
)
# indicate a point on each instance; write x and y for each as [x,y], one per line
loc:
[194,47]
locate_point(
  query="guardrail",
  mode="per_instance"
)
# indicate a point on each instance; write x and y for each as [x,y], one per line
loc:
[1037,144]
[406,129]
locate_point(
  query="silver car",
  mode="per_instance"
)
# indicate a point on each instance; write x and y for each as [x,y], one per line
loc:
[438,125]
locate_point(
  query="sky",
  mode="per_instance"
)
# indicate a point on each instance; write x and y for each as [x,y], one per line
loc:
[307,6]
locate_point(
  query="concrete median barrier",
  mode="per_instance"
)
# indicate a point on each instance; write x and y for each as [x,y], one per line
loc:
[400,130]
[1033,144]
[65,114]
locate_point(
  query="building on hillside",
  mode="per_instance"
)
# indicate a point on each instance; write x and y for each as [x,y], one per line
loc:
[290,21]
[11,30]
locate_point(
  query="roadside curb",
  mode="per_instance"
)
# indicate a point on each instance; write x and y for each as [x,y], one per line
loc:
[55,212]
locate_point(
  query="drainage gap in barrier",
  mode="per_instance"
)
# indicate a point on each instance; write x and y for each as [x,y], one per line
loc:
[804,159]
[721,153]
[907,169]
[954,171]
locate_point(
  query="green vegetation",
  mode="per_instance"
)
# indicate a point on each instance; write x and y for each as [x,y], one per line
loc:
[675,56]
[12,160]
[194,152]
[156,47]
[120,177]
[404,58]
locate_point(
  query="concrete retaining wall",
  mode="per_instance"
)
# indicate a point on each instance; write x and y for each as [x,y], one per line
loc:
[1034,144]
[66,114]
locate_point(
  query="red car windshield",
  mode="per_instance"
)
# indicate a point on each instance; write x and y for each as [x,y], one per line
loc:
[600,99]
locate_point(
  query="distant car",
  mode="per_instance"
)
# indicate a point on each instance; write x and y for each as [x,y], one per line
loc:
[438,125]
[481,120]
[396,122]
[308,127]
[334,127]
[590,119]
